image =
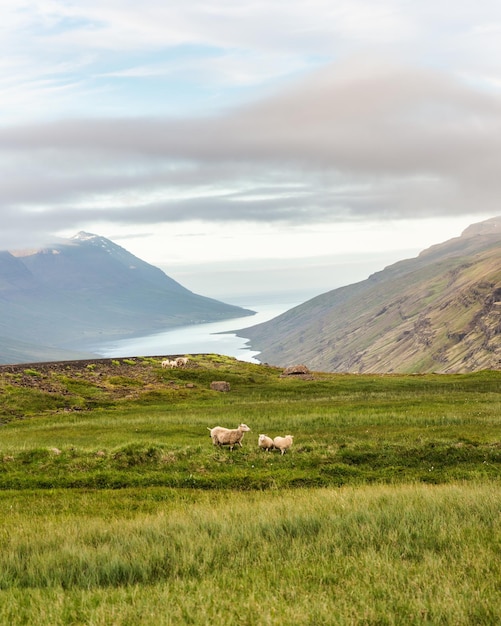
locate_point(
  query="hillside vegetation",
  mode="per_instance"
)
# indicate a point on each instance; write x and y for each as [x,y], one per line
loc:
[121,423]
[117,508]
[439,312]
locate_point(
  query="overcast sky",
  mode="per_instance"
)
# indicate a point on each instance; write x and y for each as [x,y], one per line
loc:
[247,146]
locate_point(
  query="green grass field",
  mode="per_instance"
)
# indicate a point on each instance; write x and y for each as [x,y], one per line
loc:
[117,509]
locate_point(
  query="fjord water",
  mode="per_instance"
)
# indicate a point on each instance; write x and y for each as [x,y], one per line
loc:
[213,337]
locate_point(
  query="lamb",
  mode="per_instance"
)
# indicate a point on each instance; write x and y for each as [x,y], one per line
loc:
[265,442]
[181,361]
[283,443]
[224,436]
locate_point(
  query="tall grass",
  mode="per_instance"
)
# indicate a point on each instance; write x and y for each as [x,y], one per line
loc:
[406,555]
[117,509]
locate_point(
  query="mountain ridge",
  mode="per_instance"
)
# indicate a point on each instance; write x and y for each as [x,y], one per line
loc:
[76,293]
[440,311]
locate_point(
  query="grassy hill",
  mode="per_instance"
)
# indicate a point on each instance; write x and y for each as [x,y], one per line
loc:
[349,429]
[117,509]
[439,312]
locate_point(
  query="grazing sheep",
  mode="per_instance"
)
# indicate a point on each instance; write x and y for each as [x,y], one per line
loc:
[283,443]
[168,363]
[224,436]
[181,361]
[265,442]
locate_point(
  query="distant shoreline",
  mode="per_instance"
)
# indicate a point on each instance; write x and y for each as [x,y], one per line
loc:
[211,337]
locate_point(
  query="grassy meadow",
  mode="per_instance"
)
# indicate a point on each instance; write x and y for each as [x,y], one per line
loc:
[117,509]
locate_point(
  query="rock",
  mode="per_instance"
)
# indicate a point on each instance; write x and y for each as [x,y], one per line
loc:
[220,385]
[295,370]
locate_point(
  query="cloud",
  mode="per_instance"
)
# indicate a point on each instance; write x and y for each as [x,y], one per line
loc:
[362,138]
[107,58]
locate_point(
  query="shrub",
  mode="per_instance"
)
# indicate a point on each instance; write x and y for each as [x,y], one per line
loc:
[32,372]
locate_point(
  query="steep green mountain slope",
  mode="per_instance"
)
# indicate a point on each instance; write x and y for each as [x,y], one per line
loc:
[438,312]
[74,293]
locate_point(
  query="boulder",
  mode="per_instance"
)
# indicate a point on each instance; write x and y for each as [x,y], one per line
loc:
[295,370]
[220,385]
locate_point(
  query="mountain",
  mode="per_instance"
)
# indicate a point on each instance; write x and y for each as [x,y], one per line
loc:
[85,290]
[440,311]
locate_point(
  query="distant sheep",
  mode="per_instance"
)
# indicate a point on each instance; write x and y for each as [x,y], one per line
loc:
[226,437]
[181,361]
[283,443]
[265,442]
[169,363]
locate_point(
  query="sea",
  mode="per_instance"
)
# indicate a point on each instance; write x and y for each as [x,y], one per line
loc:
[213,337]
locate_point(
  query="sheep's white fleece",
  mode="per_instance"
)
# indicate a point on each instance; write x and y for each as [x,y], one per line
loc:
[265,442]
[283,443]
[225,436]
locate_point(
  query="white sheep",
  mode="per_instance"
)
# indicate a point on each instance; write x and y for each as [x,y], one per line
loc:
[181,361]
[169,363]
[225,436]
[265,442]
[283,443]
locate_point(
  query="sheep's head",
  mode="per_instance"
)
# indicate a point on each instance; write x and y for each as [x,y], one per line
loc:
[244,428]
